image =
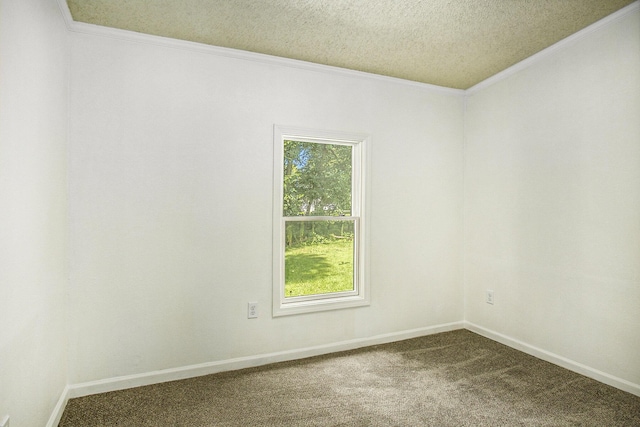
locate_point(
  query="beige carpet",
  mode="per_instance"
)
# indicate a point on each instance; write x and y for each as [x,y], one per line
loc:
[450,379]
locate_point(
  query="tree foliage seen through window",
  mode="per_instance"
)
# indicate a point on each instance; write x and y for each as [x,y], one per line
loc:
[317,179]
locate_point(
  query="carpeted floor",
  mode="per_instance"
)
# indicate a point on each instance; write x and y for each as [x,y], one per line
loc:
[450,379]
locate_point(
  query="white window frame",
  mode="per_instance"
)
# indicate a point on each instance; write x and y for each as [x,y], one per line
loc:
[283,305]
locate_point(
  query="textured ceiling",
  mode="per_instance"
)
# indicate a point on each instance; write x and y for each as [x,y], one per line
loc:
[451,43]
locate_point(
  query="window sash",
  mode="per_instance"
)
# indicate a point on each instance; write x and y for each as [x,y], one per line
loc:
[356,260]
[283,305]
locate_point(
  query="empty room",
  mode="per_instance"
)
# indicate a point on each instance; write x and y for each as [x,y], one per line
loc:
[295,212]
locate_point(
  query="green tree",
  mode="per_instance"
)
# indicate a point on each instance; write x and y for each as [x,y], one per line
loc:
[317,179]
[317,182]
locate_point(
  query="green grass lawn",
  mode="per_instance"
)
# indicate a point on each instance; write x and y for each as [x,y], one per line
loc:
[319,268]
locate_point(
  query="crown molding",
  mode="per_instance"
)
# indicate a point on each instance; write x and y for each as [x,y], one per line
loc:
[134,37]
[66,13]
[562,44]
[131,36]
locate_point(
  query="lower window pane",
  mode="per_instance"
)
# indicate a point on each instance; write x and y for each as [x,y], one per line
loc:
[318,257]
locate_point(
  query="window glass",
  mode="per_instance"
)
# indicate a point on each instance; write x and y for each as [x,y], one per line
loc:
[317,179]
[319,257]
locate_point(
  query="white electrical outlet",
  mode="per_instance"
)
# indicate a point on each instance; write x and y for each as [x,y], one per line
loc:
[5,421]
[252,311]
[489,297]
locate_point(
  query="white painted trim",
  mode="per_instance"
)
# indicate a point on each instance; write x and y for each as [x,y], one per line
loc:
[562,44]
[359,297]
[132,36]
[561,361]
[156,377]
[56,415]
[66,13]
[130,381]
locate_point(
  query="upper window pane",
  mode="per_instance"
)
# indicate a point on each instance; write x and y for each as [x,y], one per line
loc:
[317,179]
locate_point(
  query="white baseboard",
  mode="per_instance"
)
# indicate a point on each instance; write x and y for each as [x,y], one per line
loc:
[138,380]
[130,381]
[569,364]
[56,415]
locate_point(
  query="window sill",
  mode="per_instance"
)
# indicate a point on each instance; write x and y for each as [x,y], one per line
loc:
[325,304]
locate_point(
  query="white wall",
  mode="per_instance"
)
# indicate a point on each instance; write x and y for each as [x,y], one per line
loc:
[552,202]
[170,174]
[33,210]
[170,202]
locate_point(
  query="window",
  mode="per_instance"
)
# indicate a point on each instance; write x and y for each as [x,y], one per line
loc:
[319,221]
